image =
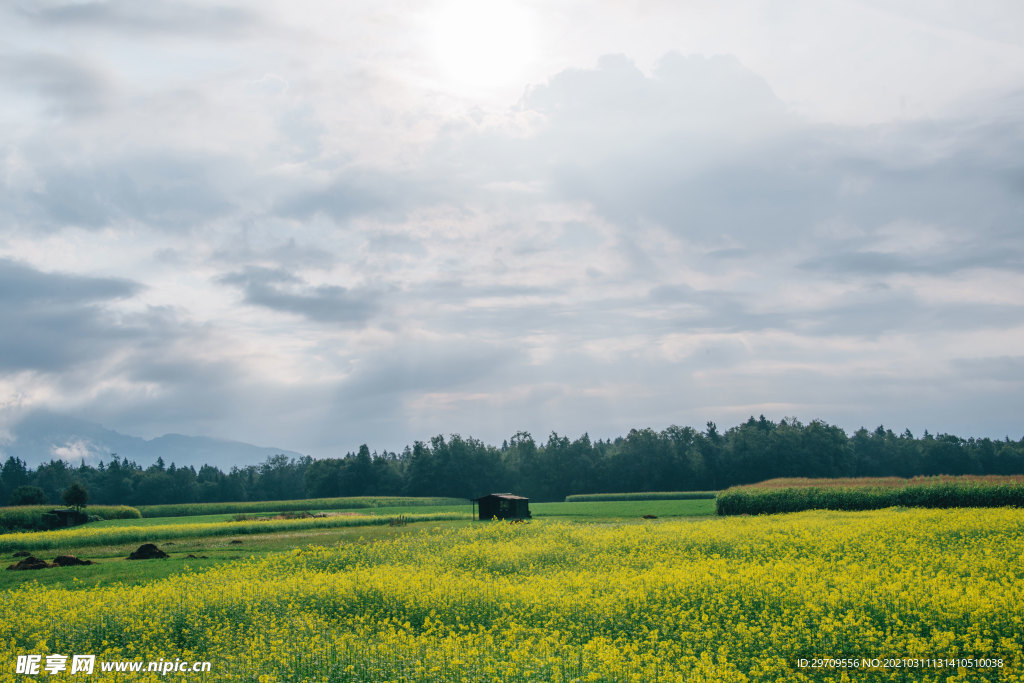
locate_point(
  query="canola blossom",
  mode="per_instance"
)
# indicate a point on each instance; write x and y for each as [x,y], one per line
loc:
[733,599]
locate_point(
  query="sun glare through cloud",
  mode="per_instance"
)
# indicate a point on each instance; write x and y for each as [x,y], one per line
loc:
[480,45]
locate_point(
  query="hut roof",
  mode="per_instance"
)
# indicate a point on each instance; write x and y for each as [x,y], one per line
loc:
[506,496]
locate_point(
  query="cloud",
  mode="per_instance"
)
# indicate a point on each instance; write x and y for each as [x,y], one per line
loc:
[77,451]
[281,291]
[624,246]
[340,201]
[287,255]
[153,17]
[703,147]
[167,192]
[54,321]
[1000,369]
[428,366]
[68,87]
[22,285]
[881,263]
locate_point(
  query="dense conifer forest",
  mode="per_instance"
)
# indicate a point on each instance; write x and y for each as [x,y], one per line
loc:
[677,458]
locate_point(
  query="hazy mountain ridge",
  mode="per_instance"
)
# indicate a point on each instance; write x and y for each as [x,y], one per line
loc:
[44,436]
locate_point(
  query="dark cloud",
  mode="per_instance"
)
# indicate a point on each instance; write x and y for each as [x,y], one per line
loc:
[703,147]
[21,284]
[68,87]
[153,16]
[428,367]
[459,292]
[869,312]
[166,192]
[339,201]
[289,255]
[965,189]
[281,291]
[354,192]
[1003,369]
[872,314]
[693,146]
[962,257]
[54,321]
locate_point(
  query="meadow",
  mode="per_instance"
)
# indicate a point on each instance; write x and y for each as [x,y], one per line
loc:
[690,598]
[644,495]
[349,503]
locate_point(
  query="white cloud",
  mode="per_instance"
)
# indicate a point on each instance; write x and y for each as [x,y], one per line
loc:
[76,452]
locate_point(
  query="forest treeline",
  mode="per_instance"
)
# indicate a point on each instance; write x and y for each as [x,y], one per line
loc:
[677,458]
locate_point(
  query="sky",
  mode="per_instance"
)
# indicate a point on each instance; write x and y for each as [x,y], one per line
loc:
[315,225]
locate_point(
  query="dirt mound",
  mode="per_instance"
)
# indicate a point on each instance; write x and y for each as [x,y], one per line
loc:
[21,553]
[148,551]
[190,556]
[31,562]
[650,516]
[69,561]
[235,541]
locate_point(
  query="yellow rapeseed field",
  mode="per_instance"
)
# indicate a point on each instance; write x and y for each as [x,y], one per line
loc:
[734,599]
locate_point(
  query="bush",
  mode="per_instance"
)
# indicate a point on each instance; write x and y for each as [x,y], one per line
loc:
[75,496]
[28,495]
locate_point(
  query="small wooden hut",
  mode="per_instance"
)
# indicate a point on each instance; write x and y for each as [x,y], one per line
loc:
[503,506]
[58,519]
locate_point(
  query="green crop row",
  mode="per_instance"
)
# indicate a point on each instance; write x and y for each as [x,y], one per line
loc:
[755,501]
[353,503]
[644,495]
[88,535]
[885,482]
[30,517]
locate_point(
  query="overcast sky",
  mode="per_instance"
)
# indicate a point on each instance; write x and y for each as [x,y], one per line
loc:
[318,224]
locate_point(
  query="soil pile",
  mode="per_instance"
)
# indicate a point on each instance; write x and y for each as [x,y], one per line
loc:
[148,551]
[31,562]
[69,561]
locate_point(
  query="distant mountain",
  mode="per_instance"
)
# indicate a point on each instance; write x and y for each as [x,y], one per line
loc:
[44,436]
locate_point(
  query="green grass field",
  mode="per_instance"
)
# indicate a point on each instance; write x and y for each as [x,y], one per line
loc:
[624,510]
[645,495]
